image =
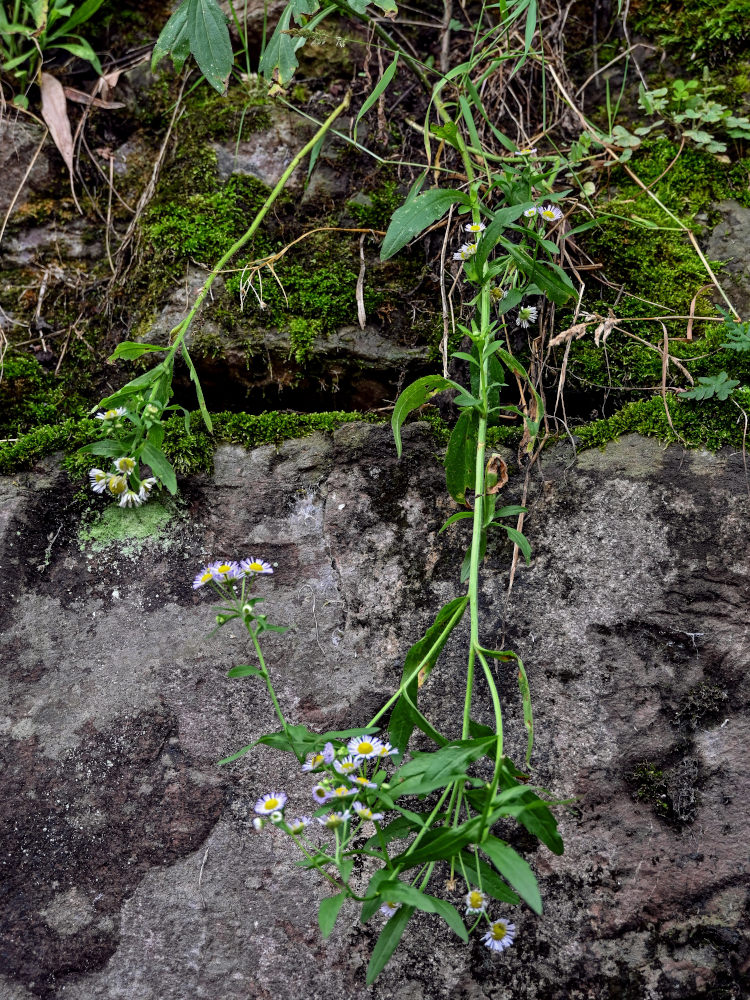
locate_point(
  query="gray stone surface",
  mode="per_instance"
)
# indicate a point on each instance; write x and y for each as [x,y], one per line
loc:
[131,868]
[19,140]
[729,242]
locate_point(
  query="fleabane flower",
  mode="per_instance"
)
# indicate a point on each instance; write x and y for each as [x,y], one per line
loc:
[117,485]
[461,254]
[342,791]
[527,151]
[474,227]
[125,465]
[130,499]
[386,750]
[360,782]
[205,576]
[364,747]
[299,824]
[333,820]
[271,803]
[110,415]
[255,566]
[389,908]
[531,212]
[550,213]
[277,816]
[320,793]
[500,935]
[98,480]
[526,315]
[313,762]
[146,486]
[476,901]
[346,766]
[226,570]
[364,813]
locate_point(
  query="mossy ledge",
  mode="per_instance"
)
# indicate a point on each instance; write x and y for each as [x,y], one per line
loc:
[189,452]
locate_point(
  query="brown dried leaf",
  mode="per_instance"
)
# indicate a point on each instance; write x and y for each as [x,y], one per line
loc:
[604,329]
[572,333]
[55,114]
[496,474]
[81,97]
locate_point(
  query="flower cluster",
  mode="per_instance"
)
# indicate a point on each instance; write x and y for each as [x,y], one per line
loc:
[219,571]
[550,213]
[123,483]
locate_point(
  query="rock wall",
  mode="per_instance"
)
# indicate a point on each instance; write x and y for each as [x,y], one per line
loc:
[130,868]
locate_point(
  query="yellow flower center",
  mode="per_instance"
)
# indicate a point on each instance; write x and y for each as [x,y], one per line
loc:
[110,414]
[206,577]
[224,568]
[256,566]
[498,931]
[271,804]
[365,747]
[117,485]
[475,900]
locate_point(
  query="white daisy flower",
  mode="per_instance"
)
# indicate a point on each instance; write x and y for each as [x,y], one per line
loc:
[270,803]
[474,227]
[313,762]
[98,480]
[206,575]
[226,570]
[500,935]
[526,315]
[117,485]
[146,486]
[332,820]
[531,212]
[389,908]
[130,499]
[124,465]
[110,415]
[386,750]
[342,792]
[277,817]
[550,213]
[299,824]
[527,151]
[346,766]
[255,566]
[364,747]
[357,779]
[461,255]
[364,813]
[476,901]
[321,794]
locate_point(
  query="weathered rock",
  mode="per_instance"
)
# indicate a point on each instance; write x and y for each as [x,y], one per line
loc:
[268,153]
[730,242]
[19,141]
[632,621]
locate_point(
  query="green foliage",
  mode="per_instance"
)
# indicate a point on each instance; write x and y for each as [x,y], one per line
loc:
[720,386]
[198,27]
[31,395]
[686,103]
[704,31]
[31,29]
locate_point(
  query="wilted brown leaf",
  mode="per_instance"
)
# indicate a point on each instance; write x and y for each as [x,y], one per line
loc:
[496,474]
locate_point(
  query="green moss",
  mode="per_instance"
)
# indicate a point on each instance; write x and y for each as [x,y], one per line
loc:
[126,528]
[380,204]
[30,395]
[189,453]
[710,424]
[703,703]
[697,31]
[651,786]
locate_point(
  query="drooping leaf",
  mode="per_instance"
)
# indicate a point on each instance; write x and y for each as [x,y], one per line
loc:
[461,456]
[414,396]
[128,350]
[515,870]
[416,215]
[174,39]
[478,871]
[280,52]
[245,670]
[210,42]
[401,892]
[378,90]
[328,911]
[160,465]
[388,942]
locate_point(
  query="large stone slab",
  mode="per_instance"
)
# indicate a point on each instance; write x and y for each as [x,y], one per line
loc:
[131,870]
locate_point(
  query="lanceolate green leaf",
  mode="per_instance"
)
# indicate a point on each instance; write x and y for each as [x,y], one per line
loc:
[401,892]
[379,89]
[512,867]
[414,396]
[210,42]
[160,465]
[416,215]
[550,278]
[280,52]
[174,38]
[328,911]
[461,455]
[128,350]
[479,871]
[388,942]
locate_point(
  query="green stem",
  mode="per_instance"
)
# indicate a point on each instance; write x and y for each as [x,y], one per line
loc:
[182,328]
[269,685]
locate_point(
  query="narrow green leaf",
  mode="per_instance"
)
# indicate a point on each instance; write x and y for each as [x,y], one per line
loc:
[500,221]
[160,465]
[388,942]
[414,396]
[416,215]
[245,670]
[551,279]
[174,39]
[520,540]
[82,50]
[515,869]
[401,892]
[128,350]
[461,455]
[480,873]
[328,911]
[85,11]
[112,449]
[380,87]
[280,52]
[198,389]
[460,516]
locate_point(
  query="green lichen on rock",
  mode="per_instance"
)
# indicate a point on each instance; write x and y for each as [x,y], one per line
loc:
[127,529]
[650,786]
[701,705]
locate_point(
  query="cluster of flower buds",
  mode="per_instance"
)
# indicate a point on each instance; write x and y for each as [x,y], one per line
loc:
[123,483]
